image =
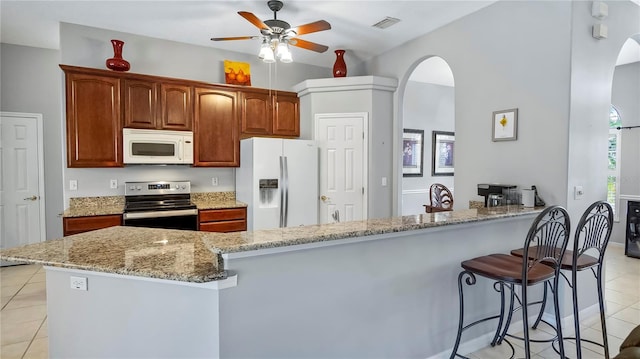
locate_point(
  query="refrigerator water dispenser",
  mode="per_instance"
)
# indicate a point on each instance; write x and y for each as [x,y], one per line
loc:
[268,193]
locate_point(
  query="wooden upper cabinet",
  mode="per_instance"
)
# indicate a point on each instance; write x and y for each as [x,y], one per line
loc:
[175,101]
[269,113]
[286,114]
[155,105]
[94,127]
[140,103]
[256,114]
[216,127]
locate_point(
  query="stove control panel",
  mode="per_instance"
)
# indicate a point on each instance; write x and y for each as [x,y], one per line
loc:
[159,187]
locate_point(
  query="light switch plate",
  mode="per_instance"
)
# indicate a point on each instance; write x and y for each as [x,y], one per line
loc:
[73,185]
[214,181]
[113,183]
[578,192]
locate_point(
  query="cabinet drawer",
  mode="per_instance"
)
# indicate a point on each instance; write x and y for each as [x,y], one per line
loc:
[223,214]
[75,225]
[224,226]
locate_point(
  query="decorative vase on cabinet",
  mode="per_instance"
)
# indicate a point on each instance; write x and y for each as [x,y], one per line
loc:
[117,63]
[339,67]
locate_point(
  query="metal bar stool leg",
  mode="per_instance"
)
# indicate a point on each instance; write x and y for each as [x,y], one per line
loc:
[470,280]
[576,318]
[605,341]
[509,316]
[525,322]
[497,335]
[556,305]
[544,304]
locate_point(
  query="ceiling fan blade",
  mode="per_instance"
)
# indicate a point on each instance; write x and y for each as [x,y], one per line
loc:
[254,20]
[308,45]
[320,25]
[234,38]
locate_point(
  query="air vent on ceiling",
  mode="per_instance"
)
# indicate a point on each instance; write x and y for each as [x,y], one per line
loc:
[386,22]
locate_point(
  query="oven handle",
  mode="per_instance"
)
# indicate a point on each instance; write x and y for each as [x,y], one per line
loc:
[158,214]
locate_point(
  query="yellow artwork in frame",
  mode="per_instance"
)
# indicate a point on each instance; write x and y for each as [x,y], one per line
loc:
[237,73]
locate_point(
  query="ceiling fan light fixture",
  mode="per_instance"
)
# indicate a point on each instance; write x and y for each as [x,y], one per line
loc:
[281,49]
[285,56]
[264,50]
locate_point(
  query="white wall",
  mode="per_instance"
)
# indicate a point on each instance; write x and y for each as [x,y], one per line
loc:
[426,107]
[31,83]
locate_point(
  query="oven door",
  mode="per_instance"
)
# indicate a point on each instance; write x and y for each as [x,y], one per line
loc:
[186,219]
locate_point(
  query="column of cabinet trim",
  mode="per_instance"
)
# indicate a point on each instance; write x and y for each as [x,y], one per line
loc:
[94,127]
[216,127]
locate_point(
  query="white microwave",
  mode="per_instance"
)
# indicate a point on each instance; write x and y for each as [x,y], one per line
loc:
[157,146]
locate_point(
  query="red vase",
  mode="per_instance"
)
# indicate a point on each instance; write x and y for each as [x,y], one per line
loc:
[117,63]
[339,67]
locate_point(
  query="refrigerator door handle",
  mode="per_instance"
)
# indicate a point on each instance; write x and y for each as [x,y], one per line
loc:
[282,191]
[286,191]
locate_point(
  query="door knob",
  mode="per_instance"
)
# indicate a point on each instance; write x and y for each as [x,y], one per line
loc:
[32,198]
[324,198]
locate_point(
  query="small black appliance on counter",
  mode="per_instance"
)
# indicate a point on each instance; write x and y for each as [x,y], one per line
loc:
[632,245]
[492,190]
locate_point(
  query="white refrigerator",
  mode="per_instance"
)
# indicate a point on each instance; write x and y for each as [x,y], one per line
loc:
[278,179]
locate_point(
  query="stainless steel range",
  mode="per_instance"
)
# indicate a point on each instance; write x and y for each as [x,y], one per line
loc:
[164,204]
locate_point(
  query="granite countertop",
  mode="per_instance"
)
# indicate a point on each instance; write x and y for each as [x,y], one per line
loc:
[106,205]
[196,256]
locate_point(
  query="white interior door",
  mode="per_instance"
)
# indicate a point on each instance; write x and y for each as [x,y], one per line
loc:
[21,179]
[342,142]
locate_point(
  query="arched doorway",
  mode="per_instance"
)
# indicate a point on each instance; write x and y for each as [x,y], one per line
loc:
[624,137]
[428,112]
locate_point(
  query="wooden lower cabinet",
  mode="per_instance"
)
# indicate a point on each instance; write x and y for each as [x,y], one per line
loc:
[75,225]
[222,220]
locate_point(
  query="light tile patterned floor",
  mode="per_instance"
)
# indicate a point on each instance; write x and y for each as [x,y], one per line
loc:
[23,318]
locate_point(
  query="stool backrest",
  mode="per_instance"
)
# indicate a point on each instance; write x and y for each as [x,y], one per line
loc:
[441,197]
[593,230]
[549,234]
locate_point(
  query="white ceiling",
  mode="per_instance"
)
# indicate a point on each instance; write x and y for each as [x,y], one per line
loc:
[36,23]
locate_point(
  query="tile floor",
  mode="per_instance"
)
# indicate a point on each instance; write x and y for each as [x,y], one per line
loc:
[23,318]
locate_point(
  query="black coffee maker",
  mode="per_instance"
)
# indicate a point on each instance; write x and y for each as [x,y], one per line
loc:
[493,191]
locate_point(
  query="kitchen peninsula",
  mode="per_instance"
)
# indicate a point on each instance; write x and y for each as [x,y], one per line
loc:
[375,288]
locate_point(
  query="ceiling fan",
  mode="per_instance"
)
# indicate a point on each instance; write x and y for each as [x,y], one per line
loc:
[277,34]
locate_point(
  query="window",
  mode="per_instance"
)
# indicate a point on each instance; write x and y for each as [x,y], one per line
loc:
[613,175]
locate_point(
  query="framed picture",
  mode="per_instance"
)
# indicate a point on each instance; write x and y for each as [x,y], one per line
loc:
[442,147]
[412,152]
[505,125]
[237,73]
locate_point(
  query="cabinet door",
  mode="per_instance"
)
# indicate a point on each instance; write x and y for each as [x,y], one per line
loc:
[217,143]
[286,114]
[256,114]
[75,225]
[175,101]
[140,103]
[94,128]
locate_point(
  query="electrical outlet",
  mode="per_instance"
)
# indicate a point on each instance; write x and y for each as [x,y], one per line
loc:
[113,184]
[73,185]
[384,181]
[214,181]
[79,283]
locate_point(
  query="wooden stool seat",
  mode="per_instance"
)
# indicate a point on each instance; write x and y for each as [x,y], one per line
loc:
[584,261]
[507,268]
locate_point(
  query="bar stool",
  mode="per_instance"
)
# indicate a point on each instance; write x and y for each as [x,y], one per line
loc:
[549,233]
[592,235]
